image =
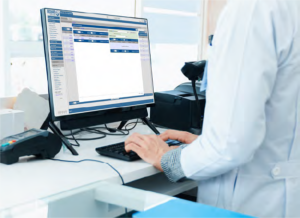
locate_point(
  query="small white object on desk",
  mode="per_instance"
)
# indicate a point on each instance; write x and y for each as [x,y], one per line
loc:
[11,122]
[35,107]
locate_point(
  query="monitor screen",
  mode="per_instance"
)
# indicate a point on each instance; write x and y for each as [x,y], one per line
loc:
[96,61]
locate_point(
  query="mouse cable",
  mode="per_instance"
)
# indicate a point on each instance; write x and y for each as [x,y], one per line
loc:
[79,161]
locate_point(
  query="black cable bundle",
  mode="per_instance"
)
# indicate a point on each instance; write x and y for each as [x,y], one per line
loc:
[102,131]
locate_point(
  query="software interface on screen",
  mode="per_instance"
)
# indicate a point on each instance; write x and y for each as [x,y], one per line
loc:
[97,62]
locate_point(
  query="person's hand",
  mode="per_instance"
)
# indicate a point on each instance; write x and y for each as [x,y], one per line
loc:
[150,148]
[184,137]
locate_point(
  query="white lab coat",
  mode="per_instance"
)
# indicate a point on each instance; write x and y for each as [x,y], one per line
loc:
[248,157]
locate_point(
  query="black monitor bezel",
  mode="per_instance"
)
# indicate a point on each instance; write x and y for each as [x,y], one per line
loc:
[48,70]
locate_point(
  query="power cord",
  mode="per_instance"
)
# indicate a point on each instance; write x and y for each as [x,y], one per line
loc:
[79,161]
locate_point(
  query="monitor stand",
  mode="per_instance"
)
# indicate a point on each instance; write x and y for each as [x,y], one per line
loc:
[151,126]
[99,118]
[50,124]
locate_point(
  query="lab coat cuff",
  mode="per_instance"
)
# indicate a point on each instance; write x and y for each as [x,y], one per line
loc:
[171,165]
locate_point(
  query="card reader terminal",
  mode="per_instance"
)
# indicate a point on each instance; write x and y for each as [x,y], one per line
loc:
[40,143]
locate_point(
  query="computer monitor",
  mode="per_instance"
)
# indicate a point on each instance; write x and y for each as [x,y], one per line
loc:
[96,63]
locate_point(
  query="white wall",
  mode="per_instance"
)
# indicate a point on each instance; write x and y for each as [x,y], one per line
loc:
[212,10]
[2,78]
[4,47]
[7,103]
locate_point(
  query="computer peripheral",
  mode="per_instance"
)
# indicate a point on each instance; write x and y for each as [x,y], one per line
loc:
[42,144]
[171,142]
[180,104]
[118,151]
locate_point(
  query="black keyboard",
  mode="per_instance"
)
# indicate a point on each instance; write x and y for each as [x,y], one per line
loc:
[118,151]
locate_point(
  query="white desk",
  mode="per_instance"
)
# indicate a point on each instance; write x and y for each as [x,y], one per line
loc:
[33,179]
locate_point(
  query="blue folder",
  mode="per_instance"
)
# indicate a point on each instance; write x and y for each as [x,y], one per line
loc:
[183,208]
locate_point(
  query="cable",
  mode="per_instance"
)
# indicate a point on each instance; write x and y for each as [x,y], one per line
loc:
[94,130]
[70,161]
[74,138]
[87,139]
[135,123]
[83,139]
[116,130]
[97,130]
[74,132]
[107,133]
[125,128]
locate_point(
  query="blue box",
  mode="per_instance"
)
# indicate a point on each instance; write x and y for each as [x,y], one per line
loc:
[183,208]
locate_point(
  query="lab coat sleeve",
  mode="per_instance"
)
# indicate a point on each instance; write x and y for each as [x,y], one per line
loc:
[242,72]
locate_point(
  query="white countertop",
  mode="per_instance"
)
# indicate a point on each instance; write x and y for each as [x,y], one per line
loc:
[33,179]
